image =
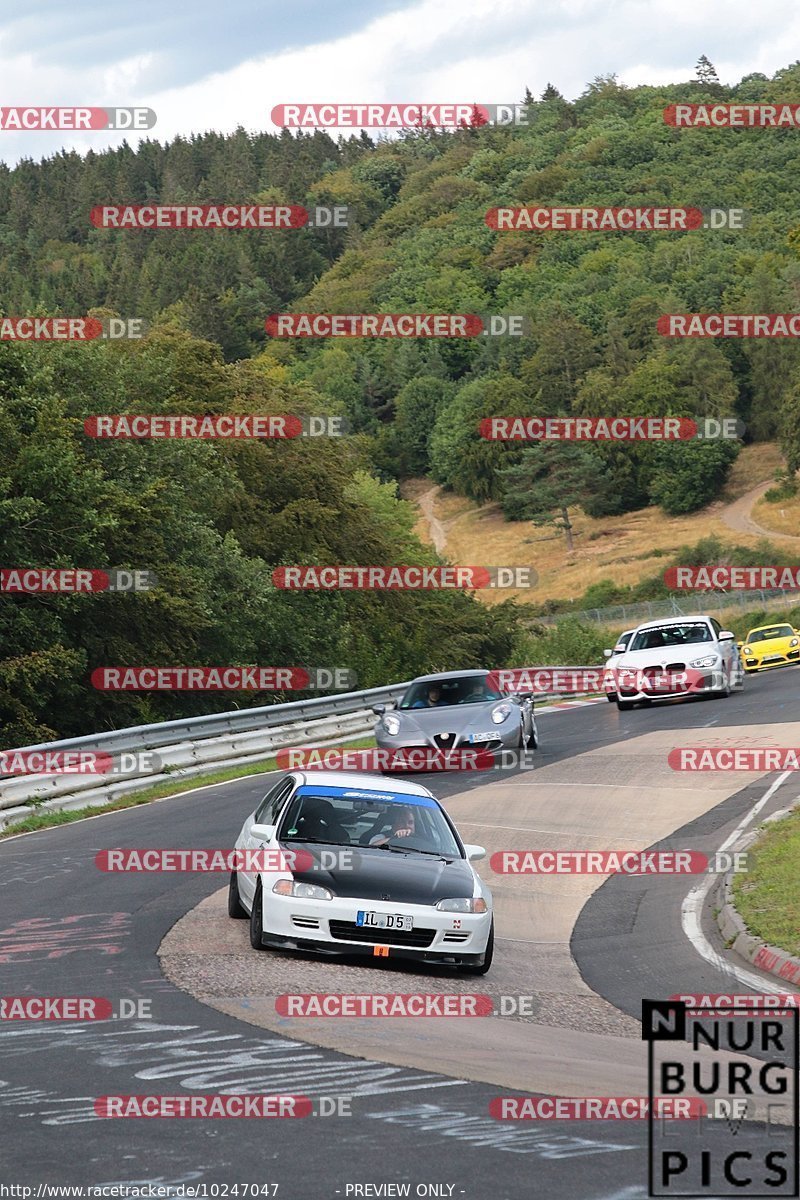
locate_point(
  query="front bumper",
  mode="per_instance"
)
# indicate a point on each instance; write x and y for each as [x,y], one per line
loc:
[709,681]
[753,664]
[503,739]
[328,927]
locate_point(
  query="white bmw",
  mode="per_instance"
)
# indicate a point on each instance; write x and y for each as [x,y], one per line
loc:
[351,864]
[677,657]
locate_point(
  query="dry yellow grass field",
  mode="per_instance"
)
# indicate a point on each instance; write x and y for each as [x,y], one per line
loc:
[619,548]
[783,517]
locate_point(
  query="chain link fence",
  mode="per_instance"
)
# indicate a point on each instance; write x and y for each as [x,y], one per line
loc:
[630,615]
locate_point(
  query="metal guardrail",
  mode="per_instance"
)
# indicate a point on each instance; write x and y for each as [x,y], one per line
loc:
[238,720]
[190,746]
[194,746]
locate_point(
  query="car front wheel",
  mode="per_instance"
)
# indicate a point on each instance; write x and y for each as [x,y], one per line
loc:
[487,956]
[257,919]
[625,705]
[235,908]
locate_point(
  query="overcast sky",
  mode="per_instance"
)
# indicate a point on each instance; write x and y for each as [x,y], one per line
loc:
[211,65]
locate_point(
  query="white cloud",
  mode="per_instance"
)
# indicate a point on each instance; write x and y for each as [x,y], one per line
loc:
[434,50]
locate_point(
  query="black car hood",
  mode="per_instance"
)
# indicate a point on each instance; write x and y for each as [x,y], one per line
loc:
[368,874]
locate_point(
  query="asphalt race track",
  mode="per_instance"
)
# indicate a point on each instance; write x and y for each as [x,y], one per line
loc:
[585,950]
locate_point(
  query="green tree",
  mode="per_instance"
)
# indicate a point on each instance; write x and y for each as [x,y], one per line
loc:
[551,478]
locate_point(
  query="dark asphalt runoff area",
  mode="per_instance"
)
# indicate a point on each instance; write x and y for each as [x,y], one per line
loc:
[70,929]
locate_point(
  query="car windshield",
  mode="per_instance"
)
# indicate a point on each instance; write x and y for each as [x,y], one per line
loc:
[671,635]
[384,820]
[766,635]
[444,693]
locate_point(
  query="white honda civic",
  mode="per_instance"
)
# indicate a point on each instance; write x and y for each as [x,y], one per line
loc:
[340,863]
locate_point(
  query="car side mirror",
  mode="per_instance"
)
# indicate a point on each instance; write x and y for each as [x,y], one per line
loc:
[607,653]
[379,709]
[265,832]
[726,636]
[475,852]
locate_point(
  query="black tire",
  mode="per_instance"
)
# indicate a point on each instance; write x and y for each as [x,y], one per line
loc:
[257,920]
[611,697]
[235,908]
[724,692]
[487,957]
[533,740]
[625,705]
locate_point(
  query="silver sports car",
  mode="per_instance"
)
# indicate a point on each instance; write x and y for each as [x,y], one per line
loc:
[457,709]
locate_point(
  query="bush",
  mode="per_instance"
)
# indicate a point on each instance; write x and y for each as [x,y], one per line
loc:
[688,475]
[786,487]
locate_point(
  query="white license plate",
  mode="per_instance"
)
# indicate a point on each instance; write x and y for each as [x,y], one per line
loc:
[376,920]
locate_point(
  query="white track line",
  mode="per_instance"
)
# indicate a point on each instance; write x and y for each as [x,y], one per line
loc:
[692,908]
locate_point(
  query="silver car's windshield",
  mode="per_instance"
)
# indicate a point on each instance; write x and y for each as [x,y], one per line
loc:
[671,635]
[443,693]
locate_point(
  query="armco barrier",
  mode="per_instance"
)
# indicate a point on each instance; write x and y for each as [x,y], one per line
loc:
[193,746]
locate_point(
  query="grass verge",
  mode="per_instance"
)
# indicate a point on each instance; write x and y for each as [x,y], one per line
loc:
[46,820]
[768,896]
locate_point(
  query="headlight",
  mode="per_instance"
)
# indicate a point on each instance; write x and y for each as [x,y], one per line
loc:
[303,891]
[470,904]
[746,650]
[501,713]
[708,661]
[795,642]
[391,723]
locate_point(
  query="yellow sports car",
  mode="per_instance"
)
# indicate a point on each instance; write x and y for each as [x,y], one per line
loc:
[770,646]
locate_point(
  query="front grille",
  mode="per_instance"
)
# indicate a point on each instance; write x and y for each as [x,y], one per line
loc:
[350,932]
[306,922]
[444,740]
